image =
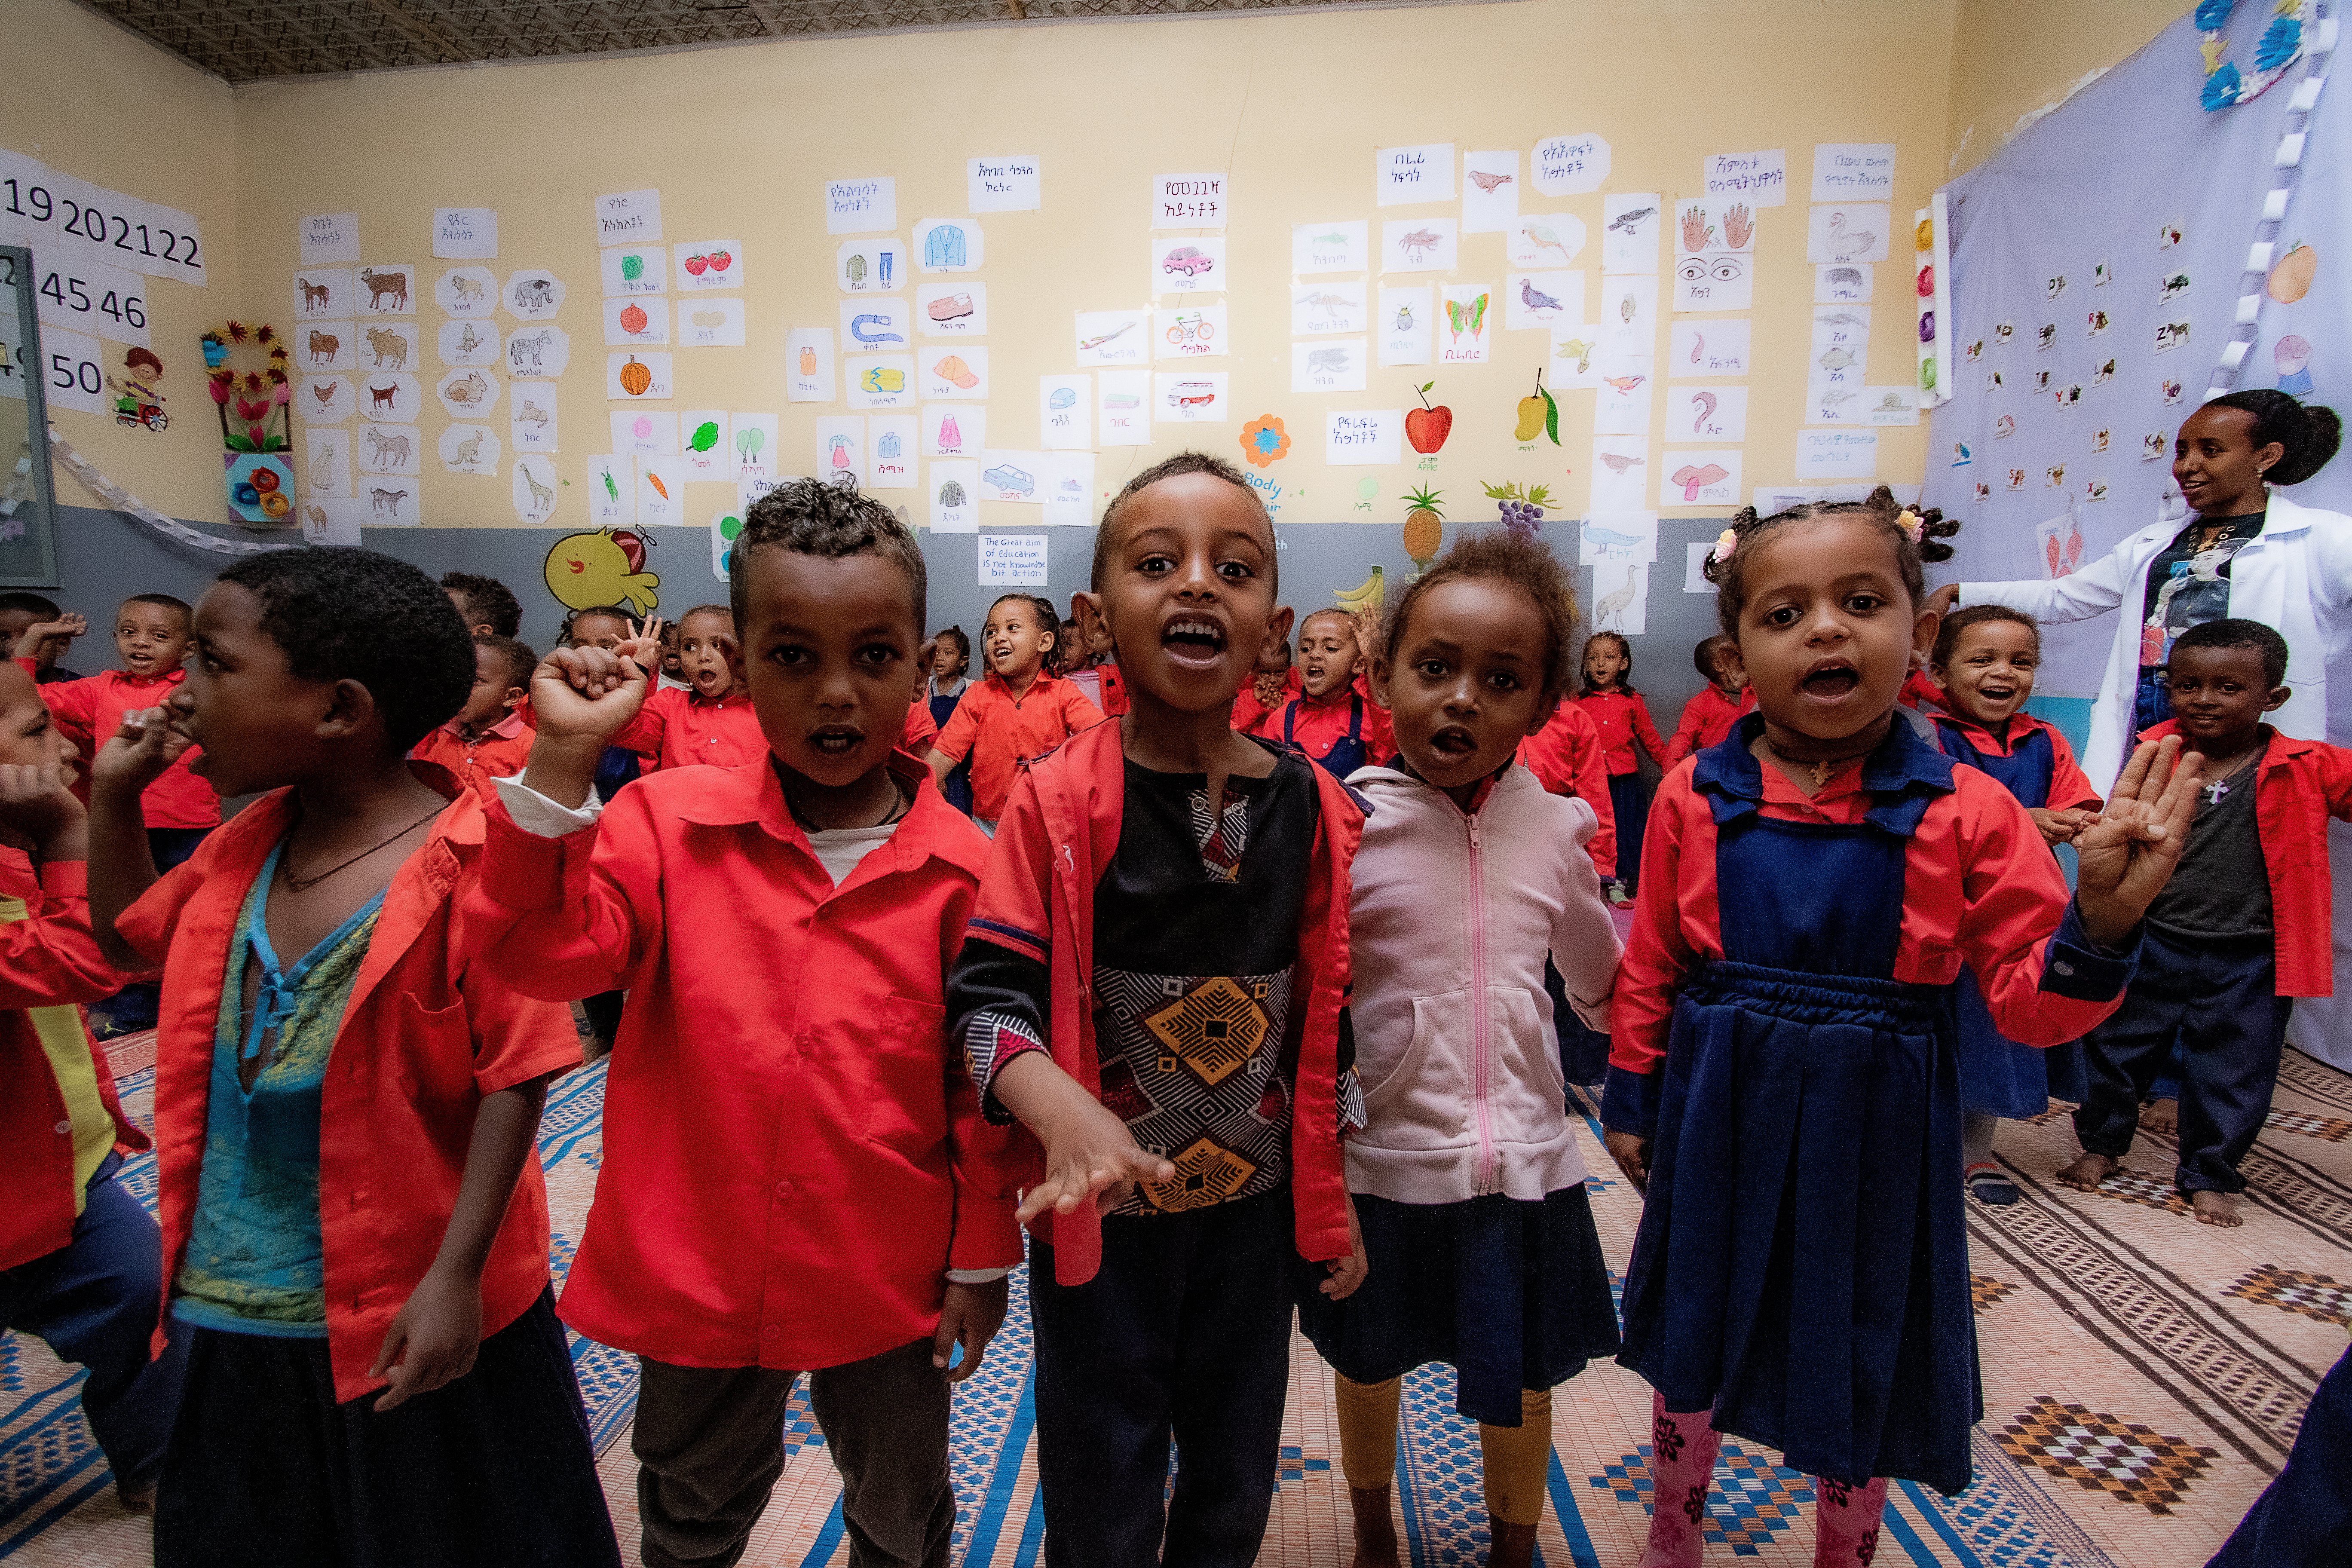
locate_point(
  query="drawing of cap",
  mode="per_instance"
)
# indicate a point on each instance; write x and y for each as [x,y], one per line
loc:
[949,307]
[953,369]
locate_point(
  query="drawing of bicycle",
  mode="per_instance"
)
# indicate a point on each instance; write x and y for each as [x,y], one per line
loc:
[1193,328]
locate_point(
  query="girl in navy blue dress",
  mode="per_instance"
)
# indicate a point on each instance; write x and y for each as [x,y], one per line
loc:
[1985,659]
[1781,1081]
[951,662]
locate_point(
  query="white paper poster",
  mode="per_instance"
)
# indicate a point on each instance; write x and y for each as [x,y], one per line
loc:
[1405,324]
[465,233]
[661,492]
[644,433]
[629,217]
[622,384]
[861,207]
[470,449]
[1187,265]
[329,470]
[1007,184]
[1620,474]
[1570,165]
[1012,476]
[328,236]
[1490,192]
[612,490]
[1841,282]
[1196,331]
[1357,437]
[1419,245]
[954,430]
[890,455]
[1848,233]
[1697,349]
[1618,538]
[958,373]
[1629,233]
[808,365]
[955,496]
[1066,414]
[636,320]
[1542,301]
[949,245]
[880,381]
[1013,560]
[534,488]
[1544,239]
[1069,489]
[1190,397]
[753,436]
[710,323]
[1123,409]
[709,264]
[1466,325]
[1629,314]
[1853,172]
[1321,308]
[538,350]
[1698,478]
[468,393]
[400,397]
[324,293]
[633,269]
[470,292]
[1621,599]
[1188,201]
[1890,406]
[1335,365]
[332,521]
[1837,453]
[325,399]
[1760,179]
[841,449]
[1405,176]
[1716,280]
[876,326]
[1577,363]
[1706,414]
[1114,337]
[1330,247]
[389,289]
[532,424]
[871,265]
[1627,390]
[388,345]
[958,309]
[533,293]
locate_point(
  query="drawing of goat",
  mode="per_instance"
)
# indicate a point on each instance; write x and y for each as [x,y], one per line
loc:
[382,397]
[387,500]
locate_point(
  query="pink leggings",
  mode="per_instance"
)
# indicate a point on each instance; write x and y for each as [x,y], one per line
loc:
[1682,1469]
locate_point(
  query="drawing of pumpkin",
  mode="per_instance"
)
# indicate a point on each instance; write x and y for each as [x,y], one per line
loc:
[2291,279]
[635,378]
[633,319]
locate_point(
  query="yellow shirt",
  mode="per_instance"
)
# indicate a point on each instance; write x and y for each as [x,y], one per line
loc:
[65,1041]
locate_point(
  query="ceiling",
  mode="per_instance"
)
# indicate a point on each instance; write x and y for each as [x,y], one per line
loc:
[254,40]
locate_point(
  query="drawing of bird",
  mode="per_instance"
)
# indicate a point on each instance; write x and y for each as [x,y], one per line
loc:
[1535,299]
[1580,351]
[1613,605]
[1488,182]
[1543,236]
[1844,246]
[1629,222]
[1624,384]
[1618,462]
[1610,539]
[1366,595]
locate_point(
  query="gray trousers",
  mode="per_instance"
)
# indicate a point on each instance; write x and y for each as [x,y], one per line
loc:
[710,1447]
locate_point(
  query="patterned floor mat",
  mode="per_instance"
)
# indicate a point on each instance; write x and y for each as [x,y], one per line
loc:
[2143,1375]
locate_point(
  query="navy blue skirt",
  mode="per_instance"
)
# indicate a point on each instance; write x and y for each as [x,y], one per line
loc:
[1510,1293]
[2000,1078]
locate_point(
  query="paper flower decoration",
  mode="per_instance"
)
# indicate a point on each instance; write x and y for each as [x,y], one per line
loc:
[1263,440]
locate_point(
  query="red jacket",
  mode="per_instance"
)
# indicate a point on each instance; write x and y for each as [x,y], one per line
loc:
[1622,719]
[500,751]
[1249,715]
[1978,888]
[1925,695]
[2299,786]
[46,959]
[793,1153]
[1707,719]
[424,1036]
[1053,843]
[1315,725]
[88,713]
[999,732]
[915,737]
[1566,756]
[678,730]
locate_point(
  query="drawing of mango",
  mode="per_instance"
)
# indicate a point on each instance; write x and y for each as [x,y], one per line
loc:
[882,378]
[953,369]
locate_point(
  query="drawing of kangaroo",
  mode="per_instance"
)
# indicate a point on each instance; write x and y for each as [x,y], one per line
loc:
[468,453]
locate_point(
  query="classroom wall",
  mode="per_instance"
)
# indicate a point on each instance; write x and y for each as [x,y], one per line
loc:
[2015,58]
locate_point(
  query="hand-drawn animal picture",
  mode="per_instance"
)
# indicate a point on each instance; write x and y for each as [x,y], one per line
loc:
[383,285]
[1609,614]
[1543,236]
[1327,361]
[324,392]
[1619,461]
[317,298]
[468,453]
[1488,182]
[542,498]
[388,348]
[1844,282]
[585,569]
[382,397]
[533,295]
[469,342]
[387,454]
[316,514]
[519,346]
[466,290]
[1627,222]
[324,347]
[322,468]
[1537,302]
[473,391]
[1845,243]
[386,501]
[1419,243]
[531,414]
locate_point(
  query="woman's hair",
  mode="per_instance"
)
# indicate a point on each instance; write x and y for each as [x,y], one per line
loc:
[962,645]
[1729,573]
[1515,560]
[1624,677]
[2310,436]
[616,612]
[1947,635]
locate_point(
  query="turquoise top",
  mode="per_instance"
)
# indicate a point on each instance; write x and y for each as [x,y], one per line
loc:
[255,1263]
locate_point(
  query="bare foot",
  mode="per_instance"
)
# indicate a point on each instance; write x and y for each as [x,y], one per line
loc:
[2161,1116]
[2215,1209]
[2086,1172]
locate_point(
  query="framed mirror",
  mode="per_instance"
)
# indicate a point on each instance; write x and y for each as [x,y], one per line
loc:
[29,498]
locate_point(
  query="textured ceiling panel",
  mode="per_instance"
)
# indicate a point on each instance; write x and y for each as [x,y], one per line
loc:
[256,39]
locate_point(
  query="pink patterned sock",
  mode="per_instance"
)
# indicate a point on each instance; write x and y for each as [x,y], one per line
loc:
[1845,1522]
[1682,1472]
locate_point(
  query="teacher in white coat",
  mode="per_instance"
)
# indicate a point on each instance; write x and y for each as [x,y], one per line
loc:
[2245,553]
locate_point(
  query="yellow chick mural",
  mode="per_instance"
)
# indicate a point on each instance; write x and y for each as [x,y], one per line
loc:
[602,568]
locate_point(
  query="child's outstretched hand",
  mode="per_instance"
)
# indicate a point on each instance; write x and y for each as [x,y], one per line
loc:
[68,627]
[137,753]
[2059,826]
[433,1341]
[2128,851]
[642,646]
[968,1316]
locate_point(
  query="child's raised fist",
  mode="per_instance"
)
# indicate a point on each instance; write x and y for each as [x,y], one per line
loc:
[586,693]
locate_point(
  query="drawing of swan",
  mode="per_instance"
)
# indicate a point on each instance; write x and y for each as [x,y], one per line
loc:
[1844,246]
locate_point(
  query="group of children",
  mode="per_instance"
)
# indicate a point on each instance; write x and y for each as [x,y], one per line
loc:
[1232,1036]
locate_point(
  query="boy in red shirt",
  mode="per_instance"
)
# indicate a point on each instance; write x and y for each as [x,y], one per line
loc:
[1708,717]
[488,607]
[711,721]
[488,738]
[354,1224]
[2239,932]
[1019,713]
[783,928]
[1329,722]
[1152,984]
[78,1256]
[19,610]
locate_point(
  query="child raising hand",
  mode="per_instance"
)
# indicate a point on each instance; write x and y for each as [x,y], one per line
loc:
[1795,1026]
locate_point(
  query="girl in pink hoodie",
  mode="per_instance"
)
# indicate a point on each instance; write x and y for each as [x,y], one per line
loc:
[1466,1182]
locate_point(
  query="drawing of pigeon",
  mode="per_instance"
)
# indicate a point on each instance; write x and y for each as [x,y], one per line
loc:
[1618,462]
[1624,384]
[1488,182]
[1535,299]
[1633,220]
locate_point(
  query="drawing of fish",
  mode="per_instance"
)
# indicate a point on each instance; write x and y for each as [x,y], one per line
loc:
[1836,359]
[1629,222]
[1842,319]
[1106,337]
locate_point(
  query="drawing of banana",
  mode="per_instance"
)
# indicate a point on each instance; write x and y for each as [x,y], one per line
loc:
[1370,595]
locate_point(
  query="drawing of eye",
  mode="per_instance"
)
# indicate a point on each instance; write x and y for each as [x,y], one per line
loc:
[1691,268]
[1729,269]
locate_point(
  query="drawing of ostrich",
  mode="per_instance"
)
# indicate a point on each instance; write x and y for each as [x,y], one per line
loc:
[1609,614]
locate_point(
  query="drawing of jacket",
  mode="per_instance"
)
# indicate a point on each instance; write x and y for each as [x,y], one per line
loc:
[943,247]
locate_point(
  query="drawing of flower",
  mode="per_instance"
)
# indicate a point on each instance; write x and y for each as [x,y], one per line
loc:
[1263,440]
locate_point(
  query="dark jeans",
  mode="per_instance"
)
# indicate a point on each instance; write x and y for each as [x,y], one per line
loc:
[710,1447]
[268,1470]
[94,1301]
[1629,800]
[1184,1332]
[2219,998]
[2304,1518]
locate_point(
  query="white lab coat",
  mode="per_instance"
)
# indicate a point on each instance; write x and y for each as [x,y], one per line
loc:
[2294,576]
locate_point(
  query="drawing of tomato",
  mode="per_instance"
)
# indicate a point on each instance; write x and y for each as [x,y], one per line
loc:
[697,264]
[721,261]
[633,319]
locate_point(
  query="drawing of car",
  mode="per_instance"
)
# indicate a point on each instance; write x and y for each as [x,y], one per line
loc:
[1119,400]
[1187,259]
[1006,476]
[1192,394]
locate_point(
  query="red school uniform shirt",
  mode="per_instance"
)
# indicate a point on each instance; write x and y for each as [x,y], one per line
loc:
[1315,724]
[2070,786]
[789,1170]
[2299,784]
[499,752]
[1566,757]
[1978,888]
[1058,838]
[680,730]
[88,711]
[1000,732]
[425,1035]
[1707,719]
[921,729]
[1622,719]
[48,958]
[1249,715]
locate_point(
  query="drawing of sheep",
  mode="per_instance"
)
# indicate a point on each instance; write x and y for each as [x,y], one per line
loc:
[324,347]
[386,285]
[387,500]
[388,345]
[389,451]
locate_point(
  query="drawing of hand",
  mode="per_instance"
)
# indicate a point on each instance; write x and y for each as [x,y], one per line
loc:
[1695,228]
[1739,226]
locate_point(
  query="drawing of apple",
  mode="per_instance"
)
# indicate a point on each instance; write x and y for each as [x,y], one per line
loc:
[633,319]
[721,261]
[1427,428]
[697,265]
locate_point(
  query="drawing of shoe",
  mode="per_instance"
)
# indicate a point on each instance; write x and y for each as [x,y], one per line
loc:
[950,308]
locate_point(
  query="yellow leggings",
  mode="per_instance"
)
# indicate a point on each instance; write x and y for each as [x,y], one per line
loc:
[1518,1458]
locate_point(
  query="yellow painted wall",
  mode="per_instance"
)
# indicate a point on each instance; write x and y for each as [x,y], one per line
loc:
[2011,59]
[1292,106]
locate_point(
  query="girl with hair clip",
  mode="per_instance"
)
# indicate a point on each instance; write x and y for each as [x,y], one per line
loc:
[1782,1083]
[2248,552]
